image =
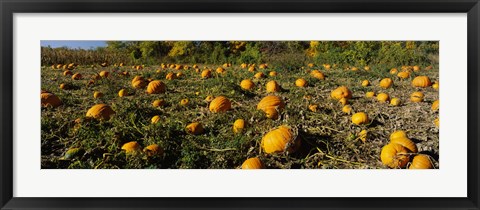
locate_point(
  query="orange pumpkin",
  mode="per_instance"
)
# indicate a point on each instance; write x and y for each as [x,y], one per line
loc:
[341,92]
[139,82]
[270,101]
[280,140]
[421,81]
[220,104]
[103,74]
[272,86]
[100,111]
[206,74]
[403,75]
[386,83]
[238,125]
[153,150]
[253,163]
[97,94]
[122,93]
[365,83]
[271,113]
[416,97]
[194,128]
[50,100]
[383,97]
[395,102]
[155,87]
[259,75]
[360,118]
[421,162]
[398,134]
[301,82]
[394,156]
[435,105]
[158,103]
[156,119]
[131,148]
[77,76]
[247,84]
[405,142]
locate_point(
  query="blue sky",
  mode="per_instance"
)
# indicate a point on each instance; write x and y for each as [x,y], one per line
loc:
[74,44]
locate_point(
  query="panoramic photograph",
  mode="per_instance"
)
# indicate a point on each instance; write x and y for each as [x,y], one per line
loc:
[239,104]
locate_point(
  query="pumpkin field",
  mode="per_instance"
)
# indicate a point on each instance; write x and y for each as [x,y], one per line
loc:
[241,105]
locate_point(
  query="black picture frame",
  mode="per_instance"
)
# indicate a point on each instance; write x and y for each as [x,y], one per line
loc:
[10,7]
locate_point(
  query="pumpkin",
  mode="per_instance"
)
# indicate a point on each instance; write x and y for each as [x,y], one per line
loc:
[131,147]
[363,135]
[354,68]
[369,94]
[178,67]
[100,111]
[194,128]
[301,82]
[77,76]
[155,119]
[206,74]
[272,73]
[170,76]
[365,83]
[394,156]
[238,125]
[195,66]
[421,161]
[271,113]
[67,72]
[220,104]
[209,98]
[153,150]
[327,66]
[360,118]
[103,74]
[220,70]
[313,107]
[386,83]
[272,86]
[122,93]
[421,81]
[73,153]
[251,68]
[184,102]
[243,65]
[403,75]
[253,163]
[318,75]
[366,68]
[405,142]
[398,134]
[259,75]
[347,109]
[247,84]
[310,65]
[270,101]
[435,105]
[125,73]
[97,94]
[158,103]
[343,101]
[341,92]
[395,102]
[155,87]
[416,97]
[64,86]
[279,140]
[416,68]
[139,82]
[393,71]
[383,97]
[437,122]
[436,85]
[50,100]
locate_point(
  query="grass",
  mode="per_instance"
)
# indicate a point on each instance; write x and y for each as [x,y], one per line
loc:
[329,139]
